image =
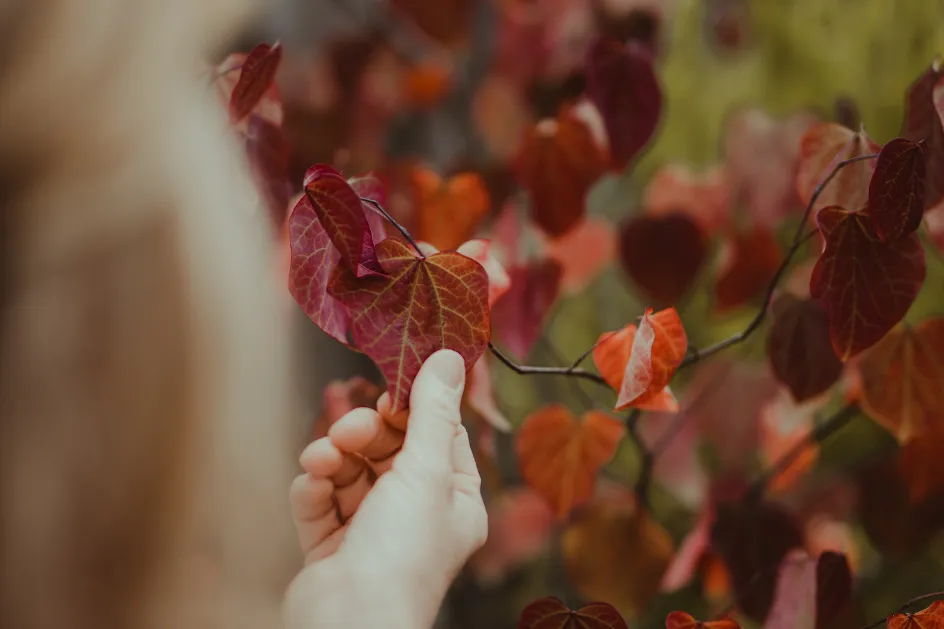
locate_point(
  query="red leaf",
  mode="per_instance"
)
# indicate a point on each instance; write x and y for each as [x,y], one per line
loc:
[623,86]
[690,554]
[341,397]
[257,74]
[558,163]
[341,213]
[499,282]
[313,260]
[583,252]
[799,348]
[479,396]
[448,212]
[551,613]
[921,465]
[519,314]
[902,378]
[896,192]
[421,306]
[268,152]
[752,539]
[748,263]
[704,197]
[809,591]
[662,255]
[865,285]
[822,147]
[931,617]
[682,620]
[785,426]
[924,121]
[559,456]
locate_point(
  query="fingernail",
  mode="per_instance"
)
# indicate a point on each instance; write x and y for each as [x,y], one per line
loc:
[448,367]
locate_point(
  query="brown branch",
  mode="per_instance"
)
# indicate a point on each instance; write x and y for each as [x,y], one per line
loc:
[798,240]
[528,370]
[400,228]
[904,606]
[646,462]
[819,434]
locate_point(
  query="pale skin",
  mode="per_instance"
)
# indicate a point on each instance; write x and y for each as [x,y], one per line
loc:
[384,554]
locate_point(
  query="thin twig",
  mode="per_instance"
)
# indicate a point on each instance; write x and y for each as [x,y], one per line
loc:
[645,461]
[819,434]
[904,606]
[798,240]
[393,221]
[575,385]
[527,370]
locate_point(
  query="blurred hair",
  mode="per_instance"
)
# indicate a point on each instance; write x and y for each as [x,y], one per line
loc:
[144,391]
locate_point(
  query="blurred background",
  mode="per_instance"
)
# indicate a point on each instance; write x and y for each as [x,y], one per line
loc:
[453,85]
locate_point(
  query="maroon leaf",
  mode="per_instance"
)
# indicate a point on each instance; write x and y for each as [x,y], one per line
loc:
[268,152]
[662,254]
[924,107]
[257,74]
[833,587]
[865,285]
[623,86]
[341,213]
[752,539]
[799,348]
[896,192]
[370,186]
[519,314]
[422,305]
[313,260]
[551,613]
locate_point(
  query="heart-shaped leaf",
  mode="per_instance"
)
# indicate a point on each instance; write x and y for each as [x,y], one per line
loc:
[448,211]
[932,617]
[551,613]
[822,147]
[519,314]
[422,305]
[256,76]
[682,620]
[896,192]
[662,254]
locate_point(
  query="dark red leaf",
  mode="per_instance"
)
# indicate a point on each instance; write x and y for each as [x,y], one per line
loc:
[519,314]
[662,254]
[623,86]
[422,305]
[370,186]
[268,152]
[896,192]
[750,261]
[313,260]
[752,539]
[558,162]
[341,214]
[833,587]
[256,76]
[866,286]
[799,348]
[551,613]
[810,591]
[924,108]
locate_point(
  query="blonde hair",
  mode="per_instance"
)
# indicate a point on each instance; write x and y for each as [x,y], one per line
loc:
[144,400]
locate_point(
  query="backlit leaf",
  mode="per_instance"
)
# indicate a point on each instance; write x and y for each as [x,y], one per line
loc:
[551,613]
[519,315]
[798,347]
[341,214]
[256,76]
[422,305]
[810,591]
[622,84]
[448,211]
[560,456]
[896,193]
[903,380]
[932,617]
[662,255]
[752,539]
[613,550]
[866,286]
[227,75]
[682,620]
[822,147]
[558,163]
[749,260]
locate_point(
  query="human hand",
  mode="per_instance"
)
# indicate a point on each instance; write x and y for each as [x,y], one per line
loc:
[385,554]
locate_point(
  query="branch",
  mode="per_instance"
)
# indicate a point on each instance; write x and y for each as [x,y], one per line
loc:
[819,434]
[646,462]
[798,240]
[904,606]
[527,370]
[400,228]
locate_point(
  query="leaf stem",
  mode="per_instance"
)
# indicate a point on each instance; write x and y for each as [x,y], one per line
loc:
[527,370]
[400,228]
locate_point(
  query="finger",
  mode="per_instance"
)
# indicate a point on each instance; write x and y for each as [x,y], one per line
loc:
[363,432]
[398,420]
[313,510]
[322,459]
[382,466]
[350,497]
[467,479]
[434,411]
[328,546]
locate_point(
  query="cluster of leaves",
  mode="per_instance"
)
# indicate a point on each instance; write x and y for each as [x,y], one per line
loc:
[398,284]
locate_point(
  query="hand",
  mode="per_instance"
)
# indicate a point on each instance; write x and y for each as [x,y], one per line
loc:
[385,555]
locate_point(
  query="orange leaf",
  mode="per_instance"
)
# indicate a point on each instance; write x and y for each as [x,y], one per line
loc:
[448,212]
[551,613]
[560,456]
[921,465]
[426,83]
[784,425]
[614,551]
[681,620]
[902,379]
[930,618]
[648,355]
[823,146]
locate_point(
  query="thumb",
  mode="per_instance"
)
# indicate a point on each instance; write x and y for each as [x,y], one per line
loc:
[434,411]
